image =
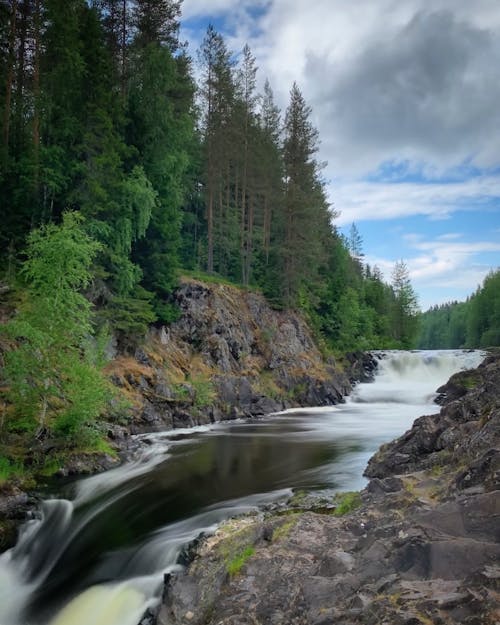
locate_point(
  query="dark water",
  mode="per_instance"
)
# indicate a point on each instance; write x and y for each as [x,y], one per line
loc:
[117,533]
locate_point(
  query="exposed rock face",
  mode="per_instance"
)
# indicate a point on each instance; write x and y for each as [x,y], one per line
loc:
[14,506]
[229,355]
[423,547]
[466,432]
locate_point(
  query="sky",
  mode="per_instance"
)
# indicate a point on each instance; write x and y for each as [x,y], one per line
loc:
[406,98]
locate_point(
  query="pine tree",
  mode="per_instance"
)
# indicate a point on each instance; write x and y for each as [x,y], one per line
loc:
[246,82]
[305,207]
[161,130]
[218,96]
[405,307]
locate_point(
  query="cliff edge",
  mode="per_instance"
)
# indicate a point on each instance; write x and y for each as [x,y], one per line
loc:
[229,355]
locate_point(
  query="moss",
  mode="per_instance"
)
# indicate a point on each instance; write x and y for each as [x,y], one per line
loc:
[236,546]
[235,564]
[470,381]
[346,502]
[212,278]
[50,467]
[284,529]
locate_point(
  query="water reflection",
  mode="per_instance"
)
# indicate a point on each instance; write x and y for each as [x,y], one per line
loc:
[131,523]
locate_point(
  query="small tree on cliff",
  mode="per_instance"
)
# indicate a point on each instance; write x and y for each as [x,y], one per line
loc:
[52,372]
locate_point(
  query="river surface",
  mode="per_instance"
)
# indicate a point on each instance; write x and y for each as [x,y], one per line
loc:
[98,553]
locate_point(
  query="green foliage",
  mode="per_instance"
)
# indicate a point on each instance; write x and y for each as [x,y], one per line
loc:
[236,563]
[347,502]
[102,120]
[9,469]
[204,392]
[405,311]
[474,323]
[51,371]
[130,316]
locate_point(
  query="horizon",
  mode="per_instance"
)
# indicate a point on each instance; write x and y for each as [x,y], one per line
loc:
[407,122]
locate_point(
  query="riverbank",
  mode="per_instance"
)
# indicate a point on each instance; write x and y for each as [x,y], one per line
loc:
[229,355]
[421,547]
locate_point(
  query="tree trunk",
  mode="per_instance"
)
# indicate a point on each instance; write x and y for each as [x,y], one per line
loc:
[36,105]
[10,78]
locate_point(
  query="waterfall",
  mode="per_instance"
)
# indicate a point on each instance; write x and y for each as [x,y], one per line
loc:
[99,557]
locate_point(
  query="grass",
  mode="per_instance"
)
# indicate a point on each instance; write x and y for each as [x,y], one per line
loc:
[235,564]
[469,381]
[346,502]
[284,529]
[209,278]
[9,469]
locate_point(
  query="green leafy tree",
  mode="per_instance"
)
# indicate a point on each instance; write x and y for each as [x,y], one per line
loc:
[161,130]
[53,375]
[483,324]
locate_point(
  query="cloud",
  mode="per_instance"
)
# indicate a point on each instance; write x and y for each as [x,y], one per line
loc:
[405,97]
[450,267]
[444,262]
[443,269]
[371,200]
[406,80]
[427,92]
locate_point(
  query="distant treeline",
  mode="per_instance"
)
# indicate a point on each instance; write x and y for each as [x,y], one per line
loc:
[100,115]
[474,323]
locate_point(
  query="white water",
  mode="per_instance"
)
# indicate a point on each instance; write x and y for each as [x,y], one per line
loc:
[375,413]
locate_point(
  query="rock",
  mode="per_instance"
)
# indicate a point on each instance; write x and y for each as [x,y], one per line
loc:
[362,366]
[229,355]
[467,429]
[422,548]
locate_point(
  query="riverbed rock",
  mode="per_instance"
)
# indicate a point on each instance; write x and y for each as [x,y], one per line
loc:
[423,547]
[466,428]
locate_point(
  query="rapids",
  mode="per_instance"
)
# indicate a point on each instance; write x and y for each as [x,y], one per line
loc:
[98,552]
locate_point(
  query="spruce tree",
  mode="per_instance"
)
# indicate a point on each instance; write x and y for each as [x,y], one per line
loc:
[306,218]
[405,307]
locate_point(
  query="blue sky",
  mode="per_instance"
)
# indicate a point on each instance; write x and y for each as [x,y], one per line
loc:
[406,100]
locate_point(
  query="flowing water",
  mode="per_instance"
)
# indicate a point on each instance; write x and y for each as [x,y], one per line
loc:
[98,552]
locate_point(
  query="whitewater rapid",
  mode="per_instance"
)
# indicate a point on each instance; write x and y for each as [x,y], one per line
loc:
[99,557]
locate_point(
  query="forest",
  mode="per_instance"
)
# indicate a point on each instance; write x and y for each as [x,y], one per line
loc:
[473,323]
[120,174]
[101,117]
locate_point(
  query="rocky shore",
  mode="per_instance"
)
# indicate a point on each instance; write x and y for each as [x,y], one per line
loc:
[418,546]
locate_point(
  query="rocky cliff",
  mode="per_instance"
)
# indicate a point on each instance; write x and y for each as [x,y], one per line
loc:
[229,355]
[420,545]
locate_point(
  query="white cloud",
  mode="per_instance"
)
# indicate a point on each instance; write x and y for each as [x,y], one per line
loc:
[360,201]
[411,82]
[445,268]
[411,79]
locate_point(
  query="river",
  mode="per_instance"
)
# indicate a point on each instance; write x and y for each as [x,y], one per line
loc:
[98,552]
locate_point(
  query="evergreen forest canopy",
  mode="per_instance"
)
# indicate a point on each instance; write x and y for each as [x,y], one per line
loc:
[101,118]
[474,323]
